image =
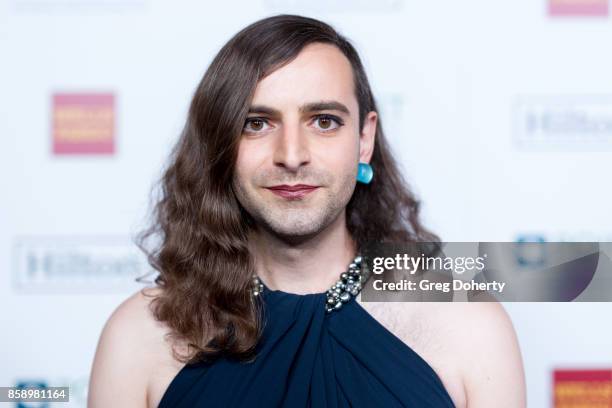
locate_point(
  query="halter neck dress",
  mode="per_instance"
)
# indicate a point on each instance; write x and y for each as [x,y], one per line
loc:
[308,357]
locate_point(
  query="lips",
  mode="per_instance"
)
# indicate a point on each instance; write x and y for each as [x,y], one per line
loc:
[293,192]
[296,187]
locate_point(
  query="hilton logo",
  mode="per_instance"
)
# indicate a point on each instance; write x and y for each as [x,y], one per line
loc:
[574,123]
[76,264]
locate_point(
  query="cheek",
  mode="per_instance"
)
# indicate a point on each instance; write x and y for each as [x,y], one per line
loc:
[341,157]
[241,171]
[245,161]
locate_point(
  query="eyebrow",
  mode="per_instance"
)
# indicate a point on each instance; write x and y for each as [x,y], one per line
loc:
[305,108]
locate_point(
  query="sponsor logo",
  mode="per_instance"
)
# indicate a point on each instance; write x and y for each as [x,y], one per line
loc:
[580,8]
[582,388]
[570,123]
[77,386]
[83,123]
[75,264]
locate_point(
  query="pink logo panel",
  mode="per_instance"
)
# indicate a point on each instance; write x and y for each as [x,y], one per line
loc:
[83,123]
[586,8]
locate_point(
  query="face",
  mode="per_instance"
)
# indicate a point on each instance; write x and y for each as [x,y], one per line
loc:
[300,146]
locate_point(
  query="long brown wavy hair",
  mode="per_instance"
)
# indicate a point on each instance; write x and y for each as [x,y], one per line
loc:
[201,254]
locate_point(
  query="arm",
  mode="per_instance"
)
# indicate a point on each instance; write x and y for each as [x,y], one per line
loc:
[118,375]
[493,370]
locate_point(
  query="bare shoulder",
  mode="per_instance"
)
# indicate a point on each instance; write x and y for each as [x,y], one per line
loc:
[131,344]
[472,347]
[486,350]
[419,326]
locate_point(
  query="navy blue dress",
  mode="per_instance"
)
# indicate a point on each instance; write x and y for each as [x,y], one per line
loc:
[310,358]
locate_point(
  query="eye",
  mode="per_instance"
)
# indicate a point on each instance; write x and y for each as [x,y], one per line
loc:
[326,122]
[258,125]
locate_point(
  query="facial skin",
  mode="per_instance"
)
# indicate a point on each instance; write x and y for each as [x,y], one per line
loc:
[320,147]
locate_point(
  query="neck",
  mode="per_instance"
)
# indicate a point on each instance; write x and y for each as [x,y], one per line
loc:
[311,266]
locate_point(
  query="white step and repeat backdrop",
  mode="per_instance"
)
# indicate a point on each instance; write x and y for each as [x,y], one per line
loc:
[501,114]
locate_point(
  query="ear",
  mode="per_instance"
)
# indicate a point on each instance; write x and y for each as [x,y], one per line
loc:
[367,136]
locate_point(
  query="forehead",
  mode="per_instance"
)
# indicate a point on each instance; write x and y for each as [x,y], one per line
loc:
[319,72]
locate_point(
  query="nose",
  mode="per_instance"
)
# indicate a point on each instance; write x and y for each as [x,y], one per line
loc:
[291,150]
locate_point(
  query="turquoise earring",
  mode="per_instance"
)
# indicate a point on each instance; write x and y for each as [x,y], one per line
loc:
[364,173]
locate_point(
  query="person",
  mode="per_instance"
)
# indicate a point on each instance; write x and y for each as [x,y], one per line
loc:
[281,176]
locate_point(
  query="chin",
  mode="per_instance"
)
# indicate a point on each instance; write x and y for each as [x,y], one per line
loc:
[304,225]
[296,229]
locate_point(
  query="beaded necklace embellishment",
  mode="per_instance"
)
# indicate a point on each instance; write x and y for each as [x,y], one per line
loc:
[348,285]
